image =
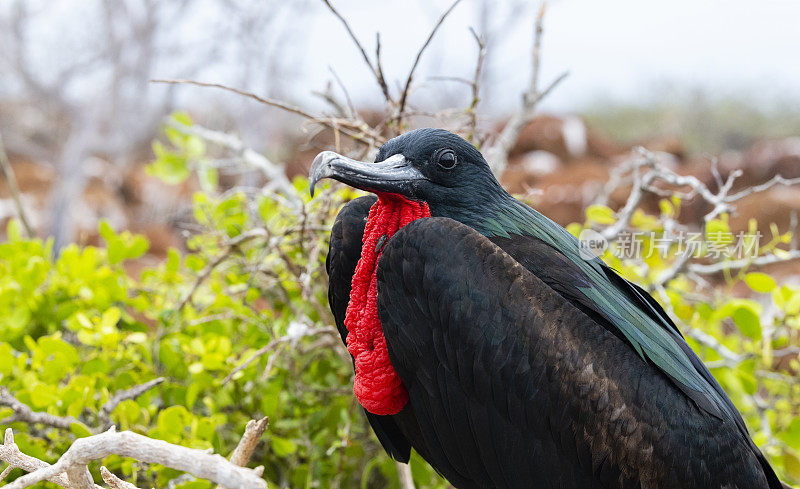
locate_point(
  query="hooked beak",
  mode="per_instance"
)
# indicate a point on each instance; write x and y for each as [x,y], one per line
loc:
[393,175]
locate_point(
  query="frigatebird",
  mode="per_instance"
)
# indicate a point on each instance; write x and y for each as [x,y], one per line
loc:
[486,340]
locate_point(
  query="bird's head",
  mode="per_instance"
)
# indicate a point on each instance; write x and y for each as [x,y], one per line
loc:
[430,165]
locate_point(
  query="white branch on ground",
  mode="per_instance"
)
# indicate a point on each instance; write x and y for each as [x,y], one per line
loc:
[83,451]
[10,453]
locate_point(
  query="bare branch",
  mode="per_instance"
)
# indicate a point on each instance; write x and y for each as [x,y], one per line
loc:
[247,445]
[404,474]
[350,106]
[357,130]
[401,107]
[229,247]
[199,463]
[376,69]
[703,269]
[538,29]
[497,153]
[132,393]
[6,471]
[274,172]
[26,414]
[776,180]
[13,189]
[9,452]
[475,85]
[79,477]
[113,481]
[274,343]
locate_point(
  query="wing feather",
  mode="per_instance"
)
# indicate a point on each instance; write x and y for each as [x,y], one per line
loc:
[551,398]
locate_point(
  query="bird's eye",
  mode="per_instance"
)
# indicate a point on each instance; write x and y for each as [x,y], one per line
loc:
[447,160]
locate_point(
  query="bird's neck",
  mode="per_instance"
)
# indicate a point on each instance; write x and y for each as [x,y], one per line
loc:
[494,214]
[377,386]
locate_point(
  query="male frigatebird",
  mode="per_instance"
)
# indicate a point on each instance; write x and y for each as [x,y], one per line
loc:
[482,338]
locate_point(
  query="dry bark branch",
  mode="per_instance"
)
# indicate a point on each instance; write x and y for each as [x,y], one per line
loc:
[401,106]
[13,189]
[404,474]
[247,445]
[113,481]
[26,414]
[9,452]
[376,68]
[497,153]
[228,248]
[119,396]
[274,343]
[199,463]
[6,471]
[357,130]
[274,172]
[646,172]
[475,85]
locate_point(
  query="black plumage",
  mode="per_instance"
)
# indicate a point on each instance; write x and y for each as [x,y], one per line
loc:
[526,367]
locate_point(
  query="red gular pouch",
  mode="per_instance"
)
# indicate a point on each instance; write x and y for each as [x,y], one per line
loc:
[377,386]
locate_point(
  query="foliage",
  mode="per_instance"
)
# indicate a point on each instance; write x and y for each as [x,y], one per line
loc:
[78,327]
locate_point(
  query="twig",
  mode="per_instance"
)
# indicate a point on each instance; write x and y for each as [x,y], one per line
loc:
[274,343]
[354,129]
[105,412]
[702,269]
[26,414]
[475,85]
[13,189]
[404,474]
[375,68]
[5,472]
[350,106]
[275,173]
[379,68]
[199,463]
[776,180]
[229,246]
[706,339]
[497,153]
[401,106]
[258,353]
[247,445]
[114,481]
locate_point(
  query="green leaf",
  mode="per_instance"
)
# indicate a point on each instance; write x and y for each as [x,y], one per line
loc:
[600,214]
[760,282]
[79,430]
[748,322]
[43,395]
[282,446]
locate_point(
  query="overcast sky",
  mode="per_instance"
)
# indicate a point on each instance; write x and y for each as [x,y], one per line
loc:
[612,48]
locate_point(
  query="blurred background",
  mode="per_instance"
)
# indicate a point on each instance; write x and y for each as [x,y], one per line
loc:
[78,111]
